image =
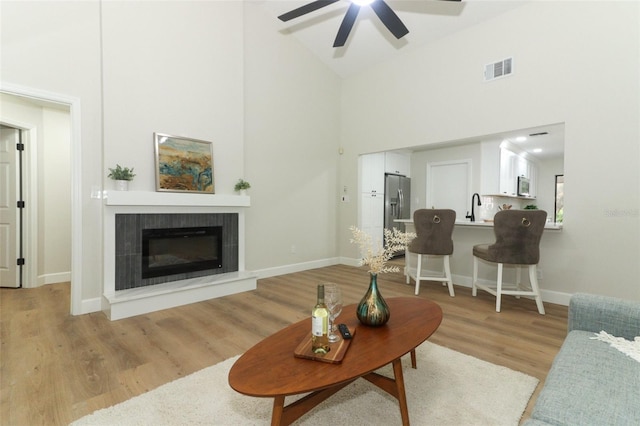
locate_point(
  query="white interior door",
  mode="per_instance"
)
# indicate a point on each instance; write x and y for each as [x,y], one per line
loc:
[9,276]
[449,186]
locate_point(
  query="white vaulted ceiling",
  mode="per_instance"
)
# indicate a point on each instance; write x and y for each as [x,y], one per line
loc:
[370,42]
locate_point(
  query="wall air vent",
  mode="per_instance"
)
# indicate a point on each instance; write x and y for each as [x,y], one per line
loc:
[498,69]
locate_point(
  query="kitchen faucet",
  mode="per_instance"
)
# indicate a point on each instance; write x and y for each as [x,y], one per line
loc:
[472,216]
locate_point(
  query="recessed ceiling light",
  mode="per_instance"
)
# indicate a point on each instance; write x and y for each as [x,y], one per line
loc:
[537,150]
[521,139]
[362,2]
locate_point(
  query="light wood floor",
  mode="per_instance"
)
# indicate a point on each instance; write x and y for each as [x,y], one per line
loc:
[56,368]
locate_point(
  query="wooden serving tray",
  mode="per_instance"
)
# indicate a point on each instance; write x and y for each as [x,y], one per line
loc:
[335,354]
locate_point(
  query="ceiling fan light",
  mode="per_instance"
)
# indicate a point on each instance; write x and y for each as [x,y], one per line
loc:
[362,2]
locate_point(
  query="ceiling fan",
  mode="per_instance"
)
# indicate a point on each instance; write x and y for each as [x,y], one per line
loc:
[382,9]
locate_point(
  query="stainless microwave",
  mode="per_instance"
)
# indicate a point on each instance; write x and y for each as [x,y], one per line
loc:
[523,186]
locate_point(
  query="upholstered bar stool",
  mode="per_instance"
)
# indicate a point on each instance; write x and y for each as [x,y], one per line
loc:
[518,234]
[433,228]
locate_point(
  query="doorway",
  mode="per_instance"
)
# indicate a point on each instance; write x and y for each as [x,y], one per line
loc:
[449,185]
[46,126]
[11,259]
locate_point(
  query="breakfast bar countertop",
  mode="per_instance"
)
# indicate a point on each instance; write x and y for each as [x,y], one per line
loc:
[551,226]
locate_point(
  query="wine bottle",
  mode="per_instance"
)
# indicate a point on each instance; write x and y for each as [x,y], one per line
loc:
[320,325]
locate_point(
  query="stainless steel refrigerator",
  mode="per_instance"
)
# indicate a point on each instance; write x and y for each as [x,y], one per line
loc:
[397,200]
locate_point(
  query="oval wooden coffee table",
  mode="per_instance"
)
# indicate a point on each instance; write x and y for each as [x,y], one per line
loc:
[269,369]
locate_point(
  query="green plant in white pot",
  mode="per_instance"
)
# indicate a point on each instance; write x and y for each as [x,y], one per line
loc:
[122,176]
[242,186]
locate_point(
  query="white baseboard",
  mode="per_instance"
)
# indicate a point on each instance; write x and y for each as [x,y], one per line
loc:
[349,261]
[90,305]
[60,277]
[296,267]
[95,305]
[549,296]
[556,297]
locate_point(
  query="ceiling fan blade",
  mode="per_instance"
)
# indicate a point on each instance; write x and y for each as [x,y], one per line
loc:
[389,18]
[347,24]
[307,8]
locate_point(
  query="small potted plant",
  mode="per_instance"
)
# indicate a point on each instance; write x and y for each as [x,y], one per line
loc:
[242,186]
[122,176]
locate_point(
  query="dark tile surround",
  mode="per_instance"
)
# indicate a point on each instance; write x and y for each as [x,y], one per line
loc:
[129,244]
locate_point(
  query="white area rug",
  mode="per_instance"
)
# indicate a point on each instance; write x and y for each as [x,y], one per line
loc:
[448,388]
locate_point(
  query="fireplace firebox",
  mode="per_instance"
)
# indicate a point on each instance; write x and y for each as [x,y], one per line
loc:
[171,251]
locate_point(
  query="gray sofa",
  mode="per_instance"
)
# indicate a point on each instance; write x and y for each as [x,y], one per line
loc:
[590,382]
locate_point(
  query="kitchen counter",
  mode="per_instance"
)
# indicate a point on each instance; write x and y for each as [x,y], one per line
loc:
[550,226]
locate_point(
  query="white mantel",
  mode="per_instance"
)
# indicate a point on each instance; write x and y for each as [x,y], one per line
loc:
[174,199]
[137,301]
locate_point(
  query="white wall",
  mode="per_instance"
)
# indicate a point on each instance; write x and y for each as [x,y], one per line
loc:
[172,67]
[291,150]
[437,94]
[55,47]
[54,190]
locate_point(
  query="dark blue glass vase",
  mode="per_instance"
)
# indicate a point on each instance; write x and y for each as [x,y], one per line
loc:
[372,309]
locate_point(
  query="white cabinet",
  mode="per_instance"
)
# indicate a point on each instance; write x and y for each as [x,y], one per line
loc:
[372,215]
[372,173]
[532,169]
[372,169]
[371,206]
[508,172]
[490,167]
[397,164]
[501,168]
[522,166]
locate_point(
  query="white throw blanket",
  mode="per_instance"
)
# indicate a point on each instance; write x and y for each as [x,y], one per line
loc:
[627,347]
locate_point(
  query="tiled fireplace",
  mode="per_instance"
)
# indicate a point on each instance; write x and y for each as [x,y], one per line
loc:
[157,248]
[169,249]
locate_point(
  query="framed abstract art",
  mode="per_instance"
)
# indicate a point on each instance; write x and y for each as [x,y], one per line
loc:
[183,164]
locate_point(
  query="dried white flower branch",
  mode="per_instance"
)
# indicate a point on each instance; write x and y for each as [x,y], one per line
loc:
[395,239]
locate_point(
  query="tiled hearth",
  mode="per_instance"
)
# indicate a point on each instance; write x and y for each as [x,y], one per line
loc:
[119,304]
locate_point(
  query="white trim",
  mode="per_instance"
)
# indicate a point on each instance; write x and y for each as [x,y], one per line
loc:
[296,267]
[31,219]
[559,298]
[60,277]
[30,191]
[349,261]
[76,173]
[91,305]
[549,296]
[163,199]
